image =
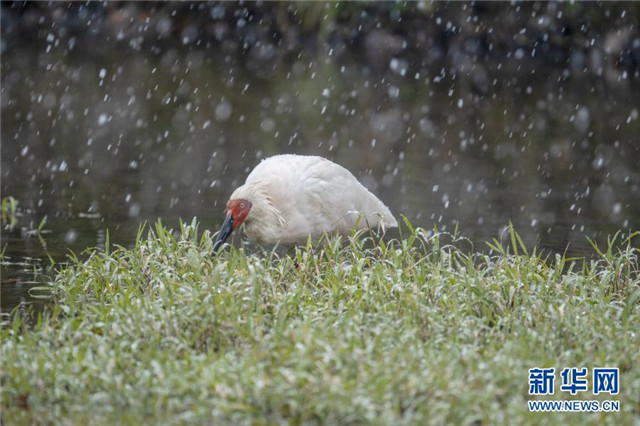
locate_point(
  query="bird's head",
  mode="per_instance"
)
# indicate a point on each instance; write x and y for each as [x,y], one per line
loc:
[237,211]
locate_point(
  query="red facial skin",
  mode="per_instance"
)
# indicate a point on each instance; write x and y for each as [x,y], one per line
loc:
[238,209]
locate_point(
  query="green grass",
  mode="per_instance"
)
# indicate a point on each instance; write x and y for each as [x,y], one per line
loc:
[9,210]
[409,331]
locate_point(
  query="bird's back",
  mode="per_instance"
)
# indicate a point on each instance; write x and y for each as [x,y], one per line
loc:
[315,195]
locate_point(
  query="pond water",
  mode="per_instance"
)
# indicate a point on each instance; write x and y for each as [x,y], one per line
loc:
[105,130]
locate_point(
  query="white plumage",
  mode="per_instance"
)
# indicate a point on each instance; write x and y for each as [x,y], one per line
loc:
[292,197]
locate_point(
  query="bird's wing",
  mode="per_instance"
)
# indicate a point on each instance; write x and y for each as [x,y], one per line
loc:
[316,195]
[339,201]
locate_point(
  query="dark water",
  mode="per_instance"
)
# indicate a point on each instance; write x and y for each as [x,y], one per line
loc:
[103,129]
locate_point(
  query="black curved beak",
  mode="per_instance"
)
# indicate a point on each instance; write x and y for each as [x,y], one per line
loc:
[225,231]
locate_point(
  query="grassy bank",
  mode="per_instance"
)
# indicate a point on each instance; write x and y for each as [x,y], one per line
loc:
[409,331]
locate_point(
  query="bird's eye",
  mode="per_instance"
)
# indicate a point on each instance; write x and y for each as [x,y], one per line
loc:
[242,205]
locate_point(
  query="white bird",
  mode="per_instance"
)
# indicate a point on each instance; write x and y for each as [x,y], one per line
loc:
[287,198]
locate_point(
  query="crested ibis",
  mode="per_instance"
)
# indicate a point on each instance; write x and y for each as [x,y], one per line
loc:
[287,198]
